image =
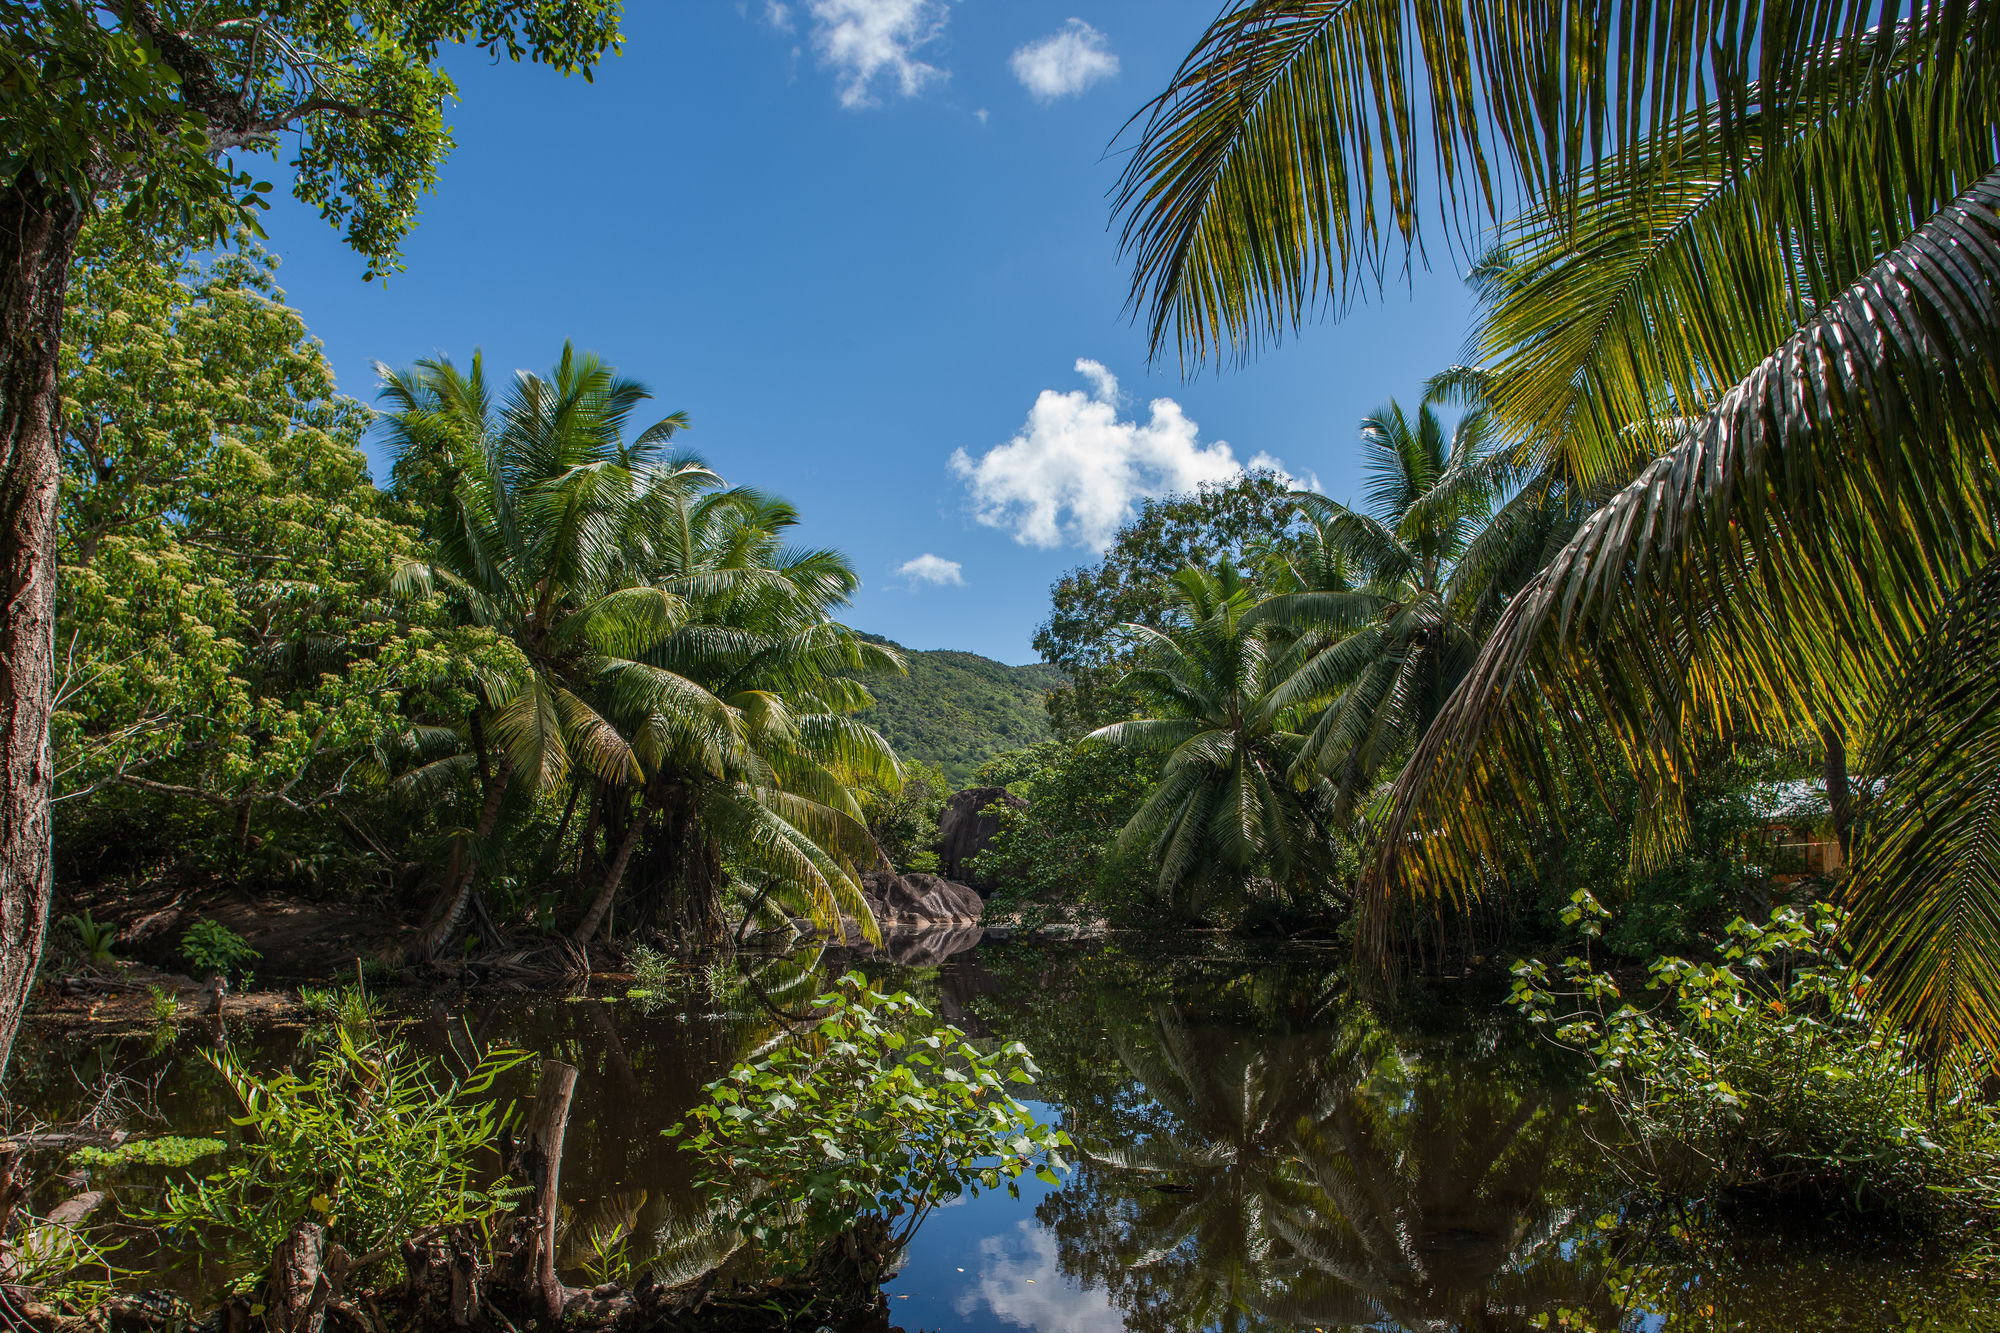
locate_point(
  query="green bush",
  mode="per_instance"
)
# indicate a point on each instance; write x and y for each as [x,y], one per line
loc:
[1764,1076]
[213,949]
[1058,858]
[855,1118]
[904,819]
[375,1141]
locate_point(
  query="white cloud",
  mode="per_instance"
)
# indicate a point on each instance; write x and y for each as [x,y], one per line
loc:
[934,570]
[981,115]
[1065,63]
[1019,1280]
[865,41]
[1262,461]
[1074,472]
[778,15]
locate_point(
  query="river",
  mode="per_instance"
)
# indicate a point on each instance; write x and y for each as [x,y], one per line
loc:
[1256,1149]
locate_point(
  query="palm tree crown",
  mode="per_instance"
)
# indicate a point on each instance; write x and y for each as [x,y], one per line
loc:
[1226,807]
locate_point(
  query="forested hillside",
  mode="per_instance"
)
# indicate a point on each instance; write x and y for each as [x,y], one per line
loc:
[957,710]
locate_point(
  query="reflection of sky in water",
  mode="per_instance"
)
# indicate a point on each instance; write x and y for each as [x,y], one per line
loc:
[989,1266]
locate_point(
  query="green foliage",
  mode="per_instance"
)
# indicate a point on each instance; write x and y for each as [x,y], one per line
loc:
[1764,1074]
[172,1150]
[143,102]
[346,1006]
[164,1006]
[213,949]
[1088,607]
[231,652]
[675,657]
[93,936]
[1389,602]
[866,1113]
[903,815]
[1059,858]
[957,710]
[1237,799]
[1671,904]
[374,1141]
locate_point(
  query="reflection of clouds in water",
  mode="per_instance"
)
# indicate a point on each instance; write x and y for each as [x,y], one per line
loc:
[1019,1282]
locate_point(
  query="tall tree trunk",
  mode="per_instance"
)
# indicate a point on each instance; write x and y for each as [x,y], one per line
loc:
[691,867]
[38,231]
[614,874]
[451,904]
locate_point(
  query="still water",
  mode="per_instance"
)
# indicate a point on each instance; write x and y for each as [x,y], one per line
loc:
[1257,1150]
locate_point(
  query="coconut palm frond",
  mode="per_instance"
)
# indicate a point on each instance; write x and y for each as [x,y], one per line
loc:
[1284,168]
[1769,573]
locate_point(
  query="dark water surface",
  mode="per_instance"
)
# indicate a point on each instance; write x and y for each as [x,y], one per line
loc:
[1256,1150]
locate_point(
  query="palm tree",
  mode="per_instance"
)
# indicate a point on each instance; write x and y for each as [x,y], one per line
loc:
[530,506]
[1756,255]
[1226,807]
[1436,552]
[777,816]
[553,534]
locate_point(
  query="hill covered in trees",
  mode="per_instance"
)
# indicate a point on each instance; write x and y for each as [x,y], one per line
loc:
[957,710]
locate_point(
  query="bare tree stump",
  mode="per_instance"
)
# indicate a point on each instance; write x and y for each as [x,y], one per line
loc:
[299,1287]
[540,1165]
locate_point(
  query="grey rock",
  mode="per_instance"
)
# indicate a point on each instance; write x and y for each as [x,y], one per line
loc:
[920,900]
[964,832]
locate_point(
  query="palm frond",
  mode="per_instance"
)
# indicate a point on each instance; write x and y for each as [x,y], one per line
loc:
[1285,164]
[1925,891]
[1756,579]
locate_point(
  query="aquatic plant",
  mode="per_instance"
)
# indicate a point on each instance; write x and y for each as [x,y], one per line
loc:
[172,1150]
[375,1142]
[1766,1074]
[858,1118]
[349,1006]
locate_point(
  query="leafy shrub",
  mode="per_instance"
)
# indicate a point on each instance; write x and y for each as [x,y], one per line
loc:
[904,817]
[857,1119]
[1058,858]
[213,949]
[93,936]
[375,1141]
[1764,1075]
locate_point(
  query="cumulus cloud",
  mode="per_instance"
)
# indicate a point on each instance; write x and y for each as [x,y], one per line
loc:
[934,570]
[778,15]
[1074,472]
[1022,1283]
[866,42]
[1065,63]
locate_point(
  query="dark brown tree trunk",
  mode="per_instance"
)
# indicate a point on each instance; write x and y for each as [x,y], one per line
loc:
[688,877]
[541,1165]
[450,909]
[614,874]
[38,231]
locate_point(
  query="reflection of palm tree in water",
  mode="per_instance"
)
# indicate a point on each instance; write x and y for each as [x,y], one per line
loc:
[1313,1177]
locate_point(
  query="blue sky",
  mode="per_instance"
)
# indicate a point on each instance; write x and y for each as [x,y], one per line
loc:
[865,245]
